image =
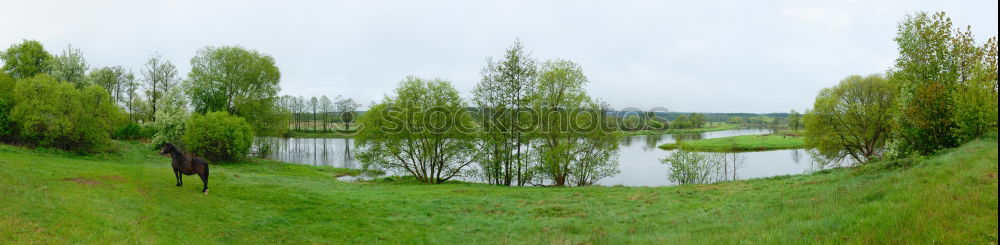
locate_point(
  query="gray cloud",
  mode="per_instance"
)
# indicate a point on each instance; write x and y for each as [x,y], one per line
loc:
[708,56]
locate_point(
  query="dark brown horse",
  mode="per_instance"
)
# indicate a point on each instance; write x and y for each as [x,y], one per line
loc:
[186,165]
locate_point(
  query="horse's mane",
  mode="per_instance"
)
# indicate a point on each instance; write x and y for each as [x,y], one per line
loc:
[186,157]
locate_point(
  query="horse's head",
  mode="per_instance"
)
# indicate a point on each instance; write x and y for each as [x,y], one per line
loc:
[167,148]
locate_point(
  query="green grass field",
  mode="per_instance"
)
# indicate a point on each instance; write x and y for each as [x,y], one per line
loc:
[711,128]
[740,143]
[57,198]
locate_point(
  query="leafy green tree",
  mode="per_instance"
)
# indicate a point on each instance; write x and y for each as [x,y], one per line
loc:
[159,76]
[502,98]
[117,80]
[573,146]
[70,66]
[794,120]
[218,136]
[853,118]
[25,59]
[169,121]
[935,63]
[422,130]
[681,122]
[241,82]
[686,167]
[736,120]
[697,120]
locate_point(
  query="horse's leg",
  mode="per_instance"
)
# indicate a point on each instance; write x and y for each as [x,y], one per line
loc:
[204,180]
[177,177]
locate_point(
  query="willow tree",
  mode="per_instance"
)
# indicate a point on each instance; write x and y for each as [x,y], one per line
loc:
[241,82]
[575,145]
[853,118]
[502,97]
[423,130]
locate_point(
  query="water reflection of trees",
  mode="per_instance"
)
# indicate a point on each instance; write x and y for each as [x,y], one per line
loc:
[652,141]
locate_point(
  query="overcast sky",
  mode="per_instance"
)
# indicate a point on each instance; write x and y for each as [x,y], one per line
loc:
[705,56]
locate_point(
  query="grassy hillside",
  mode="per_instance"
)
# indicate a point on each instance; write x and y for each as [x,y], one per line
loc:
[51,197]
[740,143]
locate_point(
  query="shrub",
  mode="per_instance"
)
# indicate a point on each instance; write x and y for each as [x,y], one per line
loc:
[218,136]
[691,167]
[53,113]
[7,127]
[132,130]
[168,127]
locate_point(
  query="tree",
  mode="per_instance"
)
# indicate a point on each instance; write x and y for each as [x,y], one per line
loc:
[314,106]
[681,122]
[935,62]
[241,82]
[697,120]
[26,59]
[686,167]
[287,103]
[116,80]
[326,106]
[346,109]
[70,66]
[218,136]
[159,76]
[423,130]
[300,110]
[170,118]
[794,120]
[736,120]
[501,98]
[853,118]
[567,150]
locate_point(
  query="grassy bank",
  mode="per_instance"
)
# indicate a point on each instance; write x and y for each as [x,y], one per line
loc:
[712,128]
[52,197]
[740,143]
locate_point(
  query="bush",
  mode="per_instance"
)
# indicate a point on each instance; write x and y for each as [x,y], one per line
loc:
[168,125]
[133,131]
[53,113]
[218,136]
[7,127]
[691,167]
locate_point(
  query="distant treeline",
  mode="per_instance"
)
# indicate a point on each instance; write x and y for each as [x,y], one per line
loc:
[709,116]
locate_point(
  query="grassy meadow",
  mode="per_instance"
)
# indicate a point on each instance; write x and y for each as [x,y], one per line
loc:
[708,128]
[764,142]
[129,197]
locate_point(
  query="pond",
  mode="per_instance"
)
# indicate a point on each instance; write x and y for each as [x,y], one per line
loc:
[639,159]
